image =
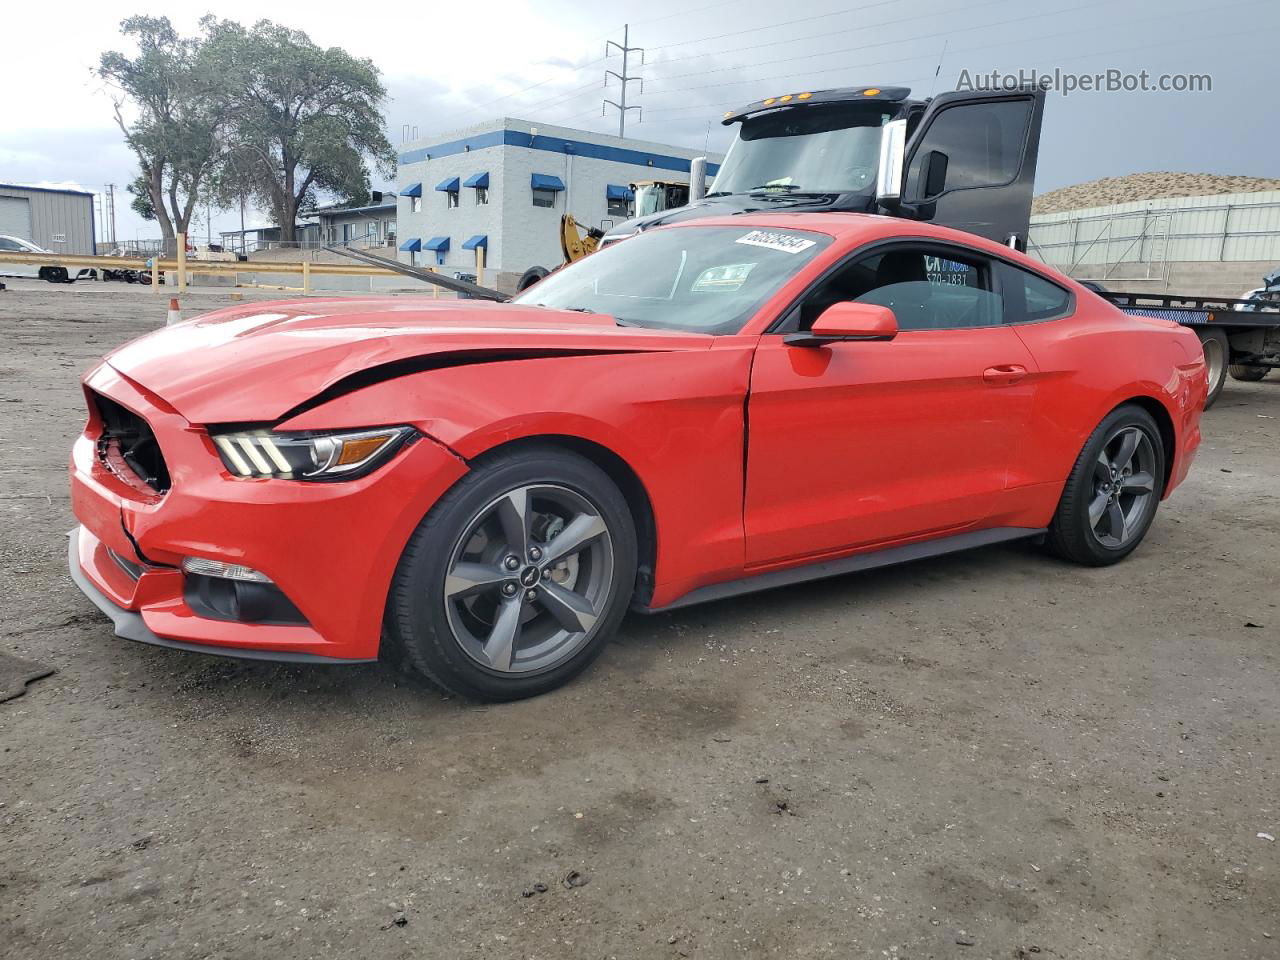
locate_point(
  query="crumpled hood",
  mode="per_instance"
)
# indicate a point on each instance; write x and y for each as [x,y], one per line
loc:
[255,362]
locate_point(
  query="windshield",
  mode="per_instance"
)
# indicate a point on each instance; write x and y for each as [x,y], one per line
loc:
[697,279]
[648,196]
[832,149]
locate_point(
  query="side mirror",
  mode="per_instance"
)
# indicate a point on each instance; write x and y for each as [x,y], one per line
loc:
[933,175]
[847,321]
[893,144]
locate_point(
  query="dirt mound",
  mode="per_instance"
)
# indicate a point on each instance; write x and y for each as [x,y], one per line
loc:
[1146,186]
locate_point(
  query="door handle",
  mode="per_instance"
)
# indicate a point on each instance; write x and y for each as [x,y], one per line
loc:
[1004,375]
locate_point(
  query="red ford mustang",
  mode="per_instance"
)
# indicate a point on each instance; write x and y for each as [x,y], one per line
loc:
[701,410]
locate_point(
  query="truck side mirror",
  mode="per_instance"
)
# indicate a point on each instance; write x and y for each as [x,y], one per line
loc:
[893,145]
[933,174]
[697,178]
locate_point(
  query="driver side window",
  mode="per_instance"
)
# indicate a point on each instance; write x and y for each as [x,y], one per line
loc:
[927,289]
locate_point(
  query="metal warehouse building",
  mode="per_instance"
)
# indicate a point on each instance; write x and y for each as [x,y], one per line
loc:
[58,220]
[503,185]
[1213,245]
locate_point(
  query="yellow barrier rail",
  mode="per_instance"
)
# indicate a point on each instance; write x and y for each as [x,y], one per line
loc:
[183,268]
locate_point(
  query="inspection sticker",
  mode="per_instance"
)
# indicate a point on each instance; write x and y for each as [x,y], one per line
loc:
[786,242]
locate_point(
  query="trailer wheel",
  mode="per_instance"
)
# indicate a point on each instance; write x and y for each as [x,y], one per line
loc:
[530,277]
[1216,351]
[1247,372]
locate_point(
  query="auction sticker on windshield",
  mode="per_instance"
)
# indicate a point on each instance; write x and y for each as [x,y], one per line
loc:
[786,242]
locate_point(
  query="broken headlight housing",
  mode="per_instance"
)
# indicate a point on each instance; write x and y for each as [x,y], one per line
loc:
[336,455]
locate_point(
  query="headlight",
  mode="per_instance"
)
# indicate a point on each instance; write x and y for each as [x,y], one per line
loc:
[308,456]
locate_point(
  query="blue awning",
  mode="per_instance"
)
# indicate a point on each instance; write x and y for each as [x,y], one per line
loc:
[545,181]
[412,245]
[480,180]
[448,186]
[615,192]
[479,240]
[437,244]
[412,190]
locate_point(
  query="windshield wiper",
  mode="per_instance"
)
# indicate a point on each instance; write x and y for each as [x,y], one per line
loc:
[787,187]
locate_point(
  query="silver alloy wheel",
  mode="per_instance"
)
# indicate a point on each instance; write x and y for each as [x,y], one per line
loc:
[1123,487]
[1215,358]
[529,579]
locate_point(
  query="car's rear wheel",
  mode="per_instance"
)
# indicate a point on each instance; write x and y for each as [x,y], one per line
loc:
[1112,493]
[515,580]
[1247,372]
[1217,350]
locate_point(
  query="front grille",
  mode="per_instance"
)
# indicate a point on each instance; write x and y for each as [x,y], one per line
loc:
[127,446]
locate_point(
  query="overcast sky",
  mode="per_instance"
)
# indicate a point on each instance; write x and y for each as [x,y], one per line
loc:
[450,65]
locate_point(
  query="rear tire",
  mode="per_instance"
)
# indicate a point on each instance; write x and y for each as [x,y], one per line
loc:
[530,277]
[1113,491]
[1247,372]
[1217,351]
[516,579]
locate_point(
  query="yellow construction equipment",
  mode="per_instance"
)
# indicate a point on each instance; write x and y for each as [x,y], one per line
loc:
[575,243]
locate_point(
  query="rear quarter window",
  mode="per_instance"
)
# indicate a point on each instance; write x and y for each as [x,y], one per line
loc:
[1030,298]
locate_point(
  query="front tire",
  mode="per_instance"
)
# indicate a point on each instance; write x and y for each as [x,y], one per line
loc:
[1247,372]
[1113,491]
[516,579]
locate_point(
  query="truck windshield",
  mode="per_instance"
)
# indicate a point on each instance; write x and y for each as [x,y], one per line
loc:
[819,149]
[648,199]
[697,279]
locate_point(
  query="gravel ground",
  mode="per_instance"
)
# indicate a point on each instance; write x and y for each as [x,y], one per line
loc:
[987,755]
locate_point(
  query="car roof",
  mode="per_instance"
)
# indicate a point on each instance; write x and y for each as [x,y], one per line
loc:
[861,228]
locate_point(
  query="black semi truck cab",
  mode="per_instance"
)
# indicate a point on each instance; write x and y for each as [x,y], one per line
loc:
[963,160]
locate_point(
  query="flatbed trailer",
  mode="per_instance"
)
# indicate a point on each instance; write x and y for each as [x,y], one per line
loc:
[1240,337]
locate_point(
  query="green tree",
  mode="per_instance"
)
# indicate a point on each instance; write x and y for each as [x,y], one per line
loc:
[141,203]
[310,117]
[172,103]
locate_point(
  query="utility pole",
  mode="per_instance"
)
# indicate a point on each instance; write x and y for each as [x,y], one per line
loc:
[623,79]
[111,192]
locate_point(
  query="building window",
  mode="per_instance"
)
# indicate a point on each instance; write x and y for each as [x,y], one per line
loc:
[482,195]
[620,207]
[544,198]
[453,198]
[417,204]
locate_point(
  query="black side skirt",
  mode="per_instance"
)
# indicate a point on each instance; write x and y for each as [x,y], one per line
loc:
[851,564]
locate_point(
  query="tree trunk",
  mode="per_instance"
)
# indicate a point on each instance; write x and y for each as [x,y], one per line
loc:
[155,187]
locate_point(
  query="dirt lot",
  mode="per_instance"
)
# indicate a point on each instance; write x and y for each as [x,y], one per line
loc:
[989,755]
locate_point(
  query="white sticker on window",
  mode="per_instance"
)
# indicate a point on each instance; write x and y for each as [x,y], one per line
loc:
[786,242]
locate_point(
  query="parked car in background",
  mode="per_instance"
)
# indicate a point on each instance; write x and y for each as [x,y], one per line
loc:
[51,272]
[725,405]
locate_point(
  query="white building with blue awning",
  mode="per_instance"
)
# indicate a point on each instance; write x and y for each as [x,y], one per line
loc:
[498,190]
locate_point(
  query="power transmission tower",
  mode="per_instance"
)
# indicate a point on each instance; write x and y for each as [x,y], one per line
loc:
[623,79]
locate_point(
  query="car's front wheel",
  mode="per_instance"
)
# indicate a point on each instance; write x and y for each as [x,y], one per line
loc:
[1112,493]
[516,578]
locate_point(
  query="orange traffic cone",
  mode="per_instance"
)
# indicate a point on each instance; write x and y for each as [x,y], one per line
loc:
[175,313]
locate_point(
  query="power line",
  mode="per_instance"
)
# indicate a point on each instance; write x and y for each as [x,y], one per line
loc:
[774,26]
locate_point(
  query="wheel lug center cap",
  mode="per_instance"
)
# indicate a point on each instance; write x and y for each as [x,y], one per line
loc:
[529,576]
